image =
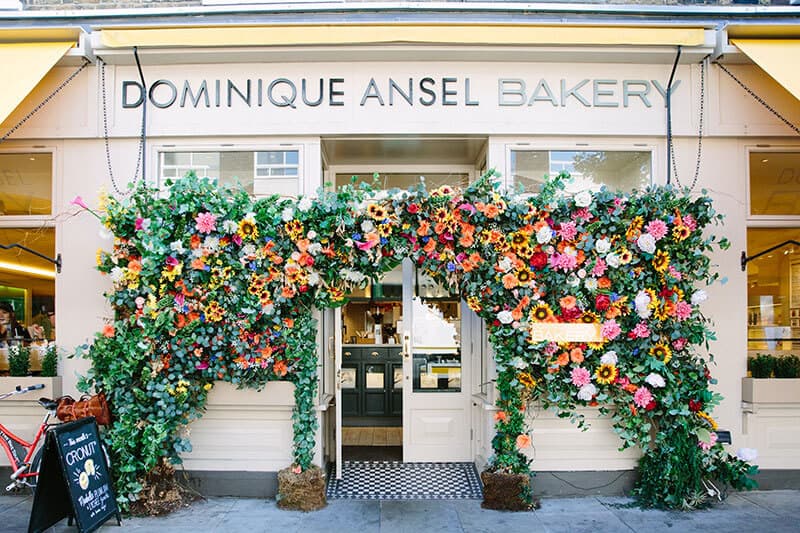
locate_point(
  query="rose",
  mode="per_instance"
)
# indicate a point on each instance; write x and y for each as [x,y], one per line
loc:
[699,296]
[544,235]
[505,317]
[538,260]
[646,243]
[695,406]
[655,380]
[612,260]
[304,204]
[602,246]
[747,454]
[609,358]
[602,302]
[587,392]
[583,199]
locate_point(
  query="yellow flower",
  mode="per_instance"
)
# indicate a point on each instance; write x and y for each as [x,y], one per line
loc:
[705,416]
[247,228]
[474,303]
[526,379]
[99,255]
[214,312]
[376,211]
[541,313]
[208,386]
[606,374]
[680,232]
[661,351]
[661,261]
[625,256]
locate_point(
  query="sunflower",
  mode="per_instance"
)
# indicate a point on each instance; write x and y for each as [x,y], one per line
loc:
[625,256]
[518,238]
[653,298]
[705,416]
[661,351]
[541,312]
[294,228]
[247,229]
[589,317]
[474,303]
[606,374]
[661,261]
[662,312]
[214,312]
[384,230]
[526,379]
[376,211]
[523,276]
[635,229]
[681,232]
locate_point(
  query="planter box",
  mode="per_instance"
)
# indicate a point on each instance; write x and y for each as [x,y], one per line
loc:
[771,390]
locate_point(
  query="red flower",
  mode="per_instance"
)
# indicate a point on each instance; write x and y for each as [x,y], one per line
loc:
[602,302]
[650,406]
[412,208]
[695,406]
[539,260]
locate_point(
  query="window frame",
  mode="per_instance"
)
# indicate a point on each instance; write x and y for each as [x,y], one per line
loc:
[766,221]
[300,148]
[31,221]
[560,146]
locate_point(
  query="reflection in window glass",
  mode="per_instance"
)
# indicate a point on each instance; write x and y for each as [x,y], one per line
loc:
[259,173]
[773,291]
[775,183]
[27,293]
[615,169]
[26,183]
[404,181]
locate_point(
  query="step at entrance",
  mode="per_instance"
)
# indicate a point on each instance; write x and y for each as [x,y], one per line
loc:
[394,480]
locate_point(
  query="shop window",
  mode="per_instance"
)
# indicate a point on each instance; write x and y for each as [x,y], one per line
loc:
[260,173]
[26,183]
[775,183]
[623,170]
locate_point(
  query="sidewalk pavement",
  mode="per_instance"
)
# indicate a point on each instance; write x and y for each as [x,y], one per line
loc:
[753,512]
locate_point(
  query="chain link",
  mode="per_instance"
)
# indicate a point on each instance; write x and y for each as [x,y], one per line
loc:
[699,132]
[105,135]
[758,99]
[44,102]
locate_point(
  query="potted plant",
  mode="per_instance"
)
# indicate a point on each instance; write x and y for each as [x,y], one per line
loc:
[19,370]
[762,387]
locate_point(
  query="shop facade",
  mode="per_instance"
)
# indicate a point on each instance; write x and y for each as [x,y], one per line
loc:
[286,107]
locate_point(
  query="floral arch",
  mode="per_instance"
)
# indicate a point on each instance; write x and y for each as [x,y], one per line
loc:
[209,284]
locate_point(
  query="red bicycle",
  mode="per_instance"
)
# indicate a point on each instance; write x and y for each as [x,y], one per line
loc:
[25,457]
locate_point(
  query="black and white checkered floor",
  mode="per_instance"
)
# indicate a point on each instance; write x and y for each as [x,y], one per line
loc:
[393,480]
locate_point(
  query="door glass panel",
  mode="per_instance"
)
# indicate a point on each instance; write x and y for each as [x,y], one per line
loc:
[397,378]
[349,378]
[775,183]
[375,375]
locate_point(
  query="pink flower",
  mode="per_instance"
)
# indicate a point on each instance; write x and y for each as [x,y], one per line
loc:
[205,222]
[680,343]
[641,330]
[683,310]
[79,202]
[364,246]
[202,365]
[642,397]
[580,376]
[689,222]
[551,348]
[707,445]
[657,228]
[568,231]
[610,330]
[563,262]
[674,273]
[582,213]
[171,261]
[599,268]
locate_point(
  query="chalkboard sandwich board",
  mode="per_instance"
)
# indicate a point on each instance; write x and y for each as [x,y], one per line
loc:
[74,481]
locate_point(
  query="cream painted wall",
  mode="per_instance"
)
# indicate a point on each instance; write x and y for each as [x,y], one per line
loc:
[72,124]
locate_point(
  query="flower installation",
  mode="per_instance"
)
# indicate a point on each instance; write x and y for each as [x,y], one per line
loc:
[209,284]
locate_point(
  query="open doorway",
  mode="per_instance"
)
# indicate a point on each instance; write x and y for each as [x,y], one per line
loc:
[398,398]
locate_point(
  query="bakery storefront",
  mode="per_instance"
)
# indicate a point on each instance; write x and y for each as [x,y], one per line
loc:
[289,107]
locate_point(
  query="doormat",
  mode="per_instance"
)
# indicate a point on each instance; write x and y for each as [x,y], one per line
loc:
[394,480]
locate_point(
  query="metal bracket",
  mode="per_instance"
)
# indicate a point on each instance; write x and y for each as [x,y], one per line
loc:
[56,261]
[745,259]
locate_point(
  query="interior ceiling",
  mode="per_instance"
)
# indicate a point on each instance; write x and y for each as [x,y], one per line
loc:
[40,239]
[402,150]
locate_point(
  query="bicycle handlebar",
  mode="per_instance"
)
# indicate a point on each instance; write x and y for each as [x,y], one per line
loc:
[21,390]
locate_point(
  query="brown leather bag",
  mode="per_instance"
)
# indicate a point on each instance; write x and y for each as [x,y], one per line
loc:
[70,409]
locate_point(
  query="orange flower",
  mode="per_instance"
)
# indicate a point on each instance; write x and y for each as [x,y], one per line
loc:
[501,416]
[108,331]
[604,283]
[563,359]
[134,266]
[303,244]
[280,368]
[198,263]
[287,292]
[195,241]
[523,441]
[510,280]
[568,302]
[576,355]
[491,211]
[288,322]
[424,228]
[466,240]
[429,246]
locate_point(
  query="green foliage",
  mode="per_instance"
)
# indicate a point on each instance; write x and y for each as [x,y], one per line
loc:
[787,366]
[50,361]
[762,365]
[19,360]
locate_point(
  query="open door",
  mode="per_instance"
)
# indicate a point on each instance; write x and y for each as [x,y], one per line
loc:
[436,400]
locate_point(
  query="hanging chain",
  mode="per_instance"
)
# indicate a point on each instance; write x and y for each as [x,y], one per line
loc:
[699,131]
[758,99]
[44,102]
[105,134]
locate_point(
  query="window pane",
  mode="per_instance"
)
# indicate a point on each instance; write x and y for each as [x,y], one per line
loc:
[26,183]
[270,158]
[615,169]
[27,286]
[773,291]
[292,157]
[404,181]
[775,183]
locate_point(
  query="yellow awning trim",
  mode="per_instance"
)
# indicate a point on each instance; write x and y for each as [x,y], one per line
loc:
[24,66]
[778,58]
[498,34]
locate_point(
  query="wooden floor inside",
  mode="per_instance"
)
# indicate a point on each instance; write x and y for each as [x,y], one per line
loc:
[372,436]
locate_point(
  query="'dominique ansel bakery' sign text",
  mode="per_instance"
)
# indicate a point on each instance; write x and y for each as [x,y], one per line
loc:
[396,92]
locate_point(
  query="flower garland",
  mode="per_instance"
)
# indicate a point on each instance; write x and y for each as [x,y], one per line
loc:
[211,285]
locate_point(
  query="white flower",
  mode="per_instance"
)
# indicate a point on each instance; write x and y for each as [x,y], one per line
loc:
[609,358]
[747,454]
[582,273]
[646,243]
[573,280]
[248,250]
[287,214]
[311,235]
[505,264]
[198,252]
[590,284]
[602,246]
[177,246]
[230,226]
[505,317]
[655,380]
[105,234]
[353,276]
[116,274]
[699,296]
[587,392]
[367,226]
[519,363]
[313,279]
[314,248]
[641,303]
[612,260]
[211,243]
[304,204]
[544,235]
[583,199]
